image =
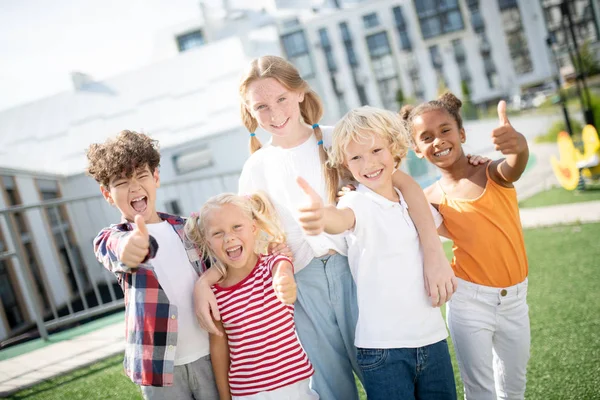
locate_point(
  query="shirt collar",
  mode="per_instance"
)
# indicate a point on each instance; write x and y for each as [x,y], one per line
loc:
[379,199]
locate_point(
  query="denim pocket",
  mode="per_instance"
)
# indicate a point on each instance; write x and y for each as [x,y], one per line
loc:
[371,358]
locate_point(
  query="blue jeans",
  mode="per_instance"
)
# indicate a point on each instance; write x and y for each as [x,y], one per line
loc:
[419,373]
[325,314]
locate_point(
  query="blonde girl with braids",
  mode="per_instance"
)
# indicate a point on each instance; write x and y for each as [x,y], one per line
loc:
[488,316]
[260,356]
[275,98]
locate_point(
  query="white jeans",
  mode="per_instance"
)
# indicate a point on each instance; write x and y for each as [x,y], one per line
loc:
[296,391]
[490,331]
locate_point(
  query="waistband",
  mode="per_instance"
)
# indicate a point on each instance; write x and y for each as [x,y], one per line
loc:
[480,289]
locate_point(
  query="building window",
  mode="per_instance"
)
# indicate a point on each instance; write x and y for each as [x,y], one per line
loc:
[582,13]
[64,239]
[296,48]
[437,17]
[370,20]
[384,68]
[353,61]
[515,38]
[326,46]
[405,43]
[190,40]
[13,198]
[11,303]
[193,160]
[461,59]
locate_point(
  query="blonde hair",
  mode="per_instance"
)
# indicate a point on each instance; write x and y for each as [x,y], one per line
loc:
[447,102]
[311,108]
[256,207]
[361,124]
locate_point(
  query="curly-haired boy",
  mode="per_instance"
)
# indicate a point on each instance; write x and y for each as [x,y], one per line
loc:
[166,352]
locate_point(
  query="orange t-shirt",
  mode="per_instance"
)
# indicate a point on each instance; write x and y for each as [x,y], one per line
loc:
[488,240]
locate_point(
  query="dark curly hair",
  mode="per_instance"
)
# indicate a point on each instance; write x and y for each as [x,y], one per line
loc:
[121,156]
[447,101]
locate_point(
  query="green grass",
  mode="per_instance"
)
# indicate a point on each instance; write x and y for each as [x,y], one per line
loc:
[558,195]
[565,346]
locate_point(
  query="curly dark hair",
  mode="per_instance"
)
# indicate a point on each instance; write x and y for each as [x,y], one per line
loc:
[121,156]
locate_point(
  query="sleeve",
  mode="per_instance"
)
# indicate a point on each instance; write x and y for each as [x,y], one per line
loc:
[353,201]
[107,246]
[247,183]
[437,217]
[274,259]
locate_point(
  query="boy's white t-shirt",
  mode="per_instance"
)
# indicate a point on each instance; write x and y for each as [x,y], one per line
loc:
[386,260]
[177,278]
[274,170]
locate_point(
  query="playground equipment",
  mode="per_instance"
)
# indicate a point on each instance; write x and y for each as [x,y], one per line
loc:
[575,169]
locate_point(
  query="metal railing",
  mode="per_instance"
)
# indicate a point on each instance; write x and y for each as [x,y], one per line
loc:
[62,282]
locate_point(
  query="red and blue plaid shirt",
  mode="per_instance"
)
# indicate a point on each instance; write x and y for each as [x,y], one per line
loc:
[150,320]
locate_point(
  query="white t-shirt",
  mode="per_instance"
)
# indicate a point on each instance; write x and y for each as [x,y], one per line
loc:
[177,278]
[386,260]
[274,170]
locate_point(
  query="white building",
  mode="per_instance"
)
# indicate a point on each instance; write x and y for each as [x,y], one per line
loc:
[362,53]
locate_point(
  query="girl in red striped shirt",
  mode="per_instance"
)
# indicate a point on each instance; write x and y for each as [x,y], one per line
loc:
[260,356]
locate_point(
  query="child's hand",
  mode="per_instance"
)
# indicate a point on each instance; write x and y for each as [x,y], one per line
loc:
[205,306]
[477,160]
[345,189]
[505,138]
[284,283]
[440,281]
[311,217]
[280,248]
[137,244]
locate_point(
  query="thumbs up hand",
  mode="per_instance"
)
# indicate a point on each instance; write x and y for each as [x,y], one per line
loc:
[505,138]
[137,244]
[311,216]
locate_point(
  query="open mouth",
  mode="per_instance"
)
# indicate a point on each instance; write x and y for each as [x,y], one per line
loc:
[139,204]
[281,125]
[374,175]
[234,253]
[442,153]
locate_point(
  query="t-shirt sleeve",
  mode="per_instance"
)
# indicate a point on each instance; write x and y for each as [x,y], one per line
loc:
[437,217]
[355,202]
[247,182]
[275,258]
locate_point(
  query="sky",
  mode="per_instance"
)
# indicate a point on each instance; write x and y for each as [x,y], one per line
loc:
[43,41]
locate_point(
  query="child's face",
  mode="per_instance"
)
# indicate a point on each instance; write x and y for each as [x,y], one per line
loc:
[438,138]
[371,163]
[134,195]
[276,108]
[231,236]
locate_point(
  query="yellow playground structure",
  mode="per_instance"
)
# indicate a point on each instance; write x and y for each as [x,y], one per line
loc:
[575,169]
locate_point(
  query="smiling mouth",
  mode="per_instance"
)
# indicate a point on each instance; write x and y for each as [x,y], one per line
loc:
[139,204]
[281,125]
[234,252]
[374,174]
[442,153]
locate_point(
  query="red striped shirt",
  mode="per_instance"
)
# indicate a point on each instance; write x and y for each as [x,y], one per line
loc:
[264,349]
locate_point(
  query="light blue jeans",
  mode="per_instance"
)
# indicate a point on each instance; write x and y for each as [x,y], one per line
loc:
[326,313]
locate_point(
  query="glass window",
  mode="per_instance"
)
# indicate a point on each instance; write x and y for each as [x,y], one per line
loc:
[370,20]
[437,17]
[378,44]
[345,32]
[324,38]
[190,40]
[436,57]
[295,44]
[399,17]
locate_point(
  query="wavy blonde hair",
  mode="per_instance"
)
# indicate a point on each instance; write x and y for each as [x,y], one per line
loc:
[359,125]
[311,108]
[256,207]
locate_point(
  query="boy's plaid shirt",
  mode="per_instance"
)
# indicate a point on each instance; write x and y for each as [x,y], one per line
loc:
[150,321]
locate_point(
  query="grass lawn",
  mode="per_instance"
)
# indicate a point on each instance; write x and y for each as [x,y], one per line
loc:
[558,195]
[563,300]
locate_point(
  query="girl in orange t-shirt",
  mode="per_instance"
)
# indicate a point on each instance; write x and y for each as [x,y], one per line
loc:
[488,316]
